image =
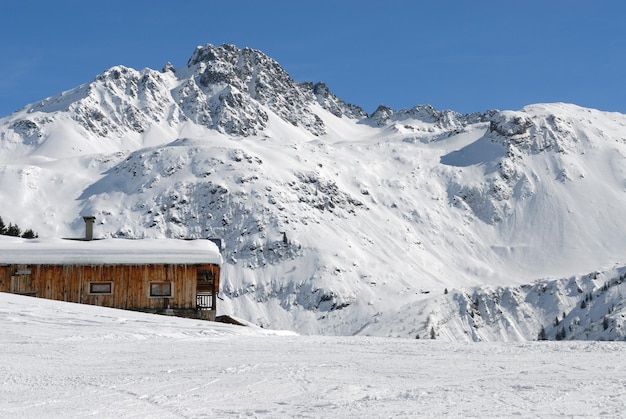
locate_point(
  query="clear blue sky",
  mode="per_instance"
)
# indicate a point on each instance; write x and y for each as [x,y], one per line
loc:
[465,55]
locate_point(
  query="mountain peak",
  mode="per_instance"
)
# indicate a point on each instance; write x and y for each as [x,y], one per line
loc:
[224,88]
[251,80]
[228,53]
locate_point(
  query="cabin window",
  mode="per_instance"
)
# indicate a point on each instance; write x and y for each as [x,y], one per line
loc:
[161,289]
[101,288]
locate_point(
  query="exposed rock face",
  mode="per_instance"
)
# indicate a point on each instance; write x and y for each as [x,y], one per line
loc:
[237,81]
[224,88]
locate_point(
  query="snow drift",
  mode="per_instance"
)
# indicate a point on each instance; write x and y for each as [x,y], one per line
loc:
[61,359]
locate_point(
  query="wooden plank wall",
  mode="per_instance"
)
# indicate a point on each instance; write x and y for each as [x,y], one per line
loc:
[213,269]
[6,272]
[130,284]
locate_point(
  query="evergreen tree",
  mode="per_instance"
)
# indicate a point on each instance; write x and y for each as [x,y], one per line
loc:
[542,334]
[29,234]
[13,230]
[432,333]
[583,304]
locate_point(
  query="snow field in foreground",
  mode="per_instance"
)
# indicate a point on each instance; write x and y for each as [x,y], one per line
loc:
[67,360]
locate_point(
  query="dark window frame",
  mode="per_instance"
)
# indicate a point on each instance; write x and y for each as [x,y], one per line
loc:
[92,288]
[161,289]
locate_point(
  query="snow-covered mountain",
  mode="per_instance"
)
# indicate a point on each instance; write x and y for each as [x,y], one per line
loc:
[486,226]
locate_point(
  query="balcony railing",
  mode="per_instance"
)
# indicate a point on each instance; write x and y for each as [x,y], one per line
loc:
[205,301]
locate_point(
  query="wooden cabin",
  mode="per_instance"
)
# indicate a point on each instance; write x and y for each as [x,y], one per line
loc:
[166,276]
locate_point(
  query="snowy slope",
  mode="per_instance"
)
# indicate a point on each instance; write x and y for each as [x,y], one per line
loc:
[335,221]
[68,360]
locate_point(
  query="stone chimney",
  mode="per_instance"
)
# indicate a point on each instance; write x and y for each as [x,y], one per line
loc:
[89,220]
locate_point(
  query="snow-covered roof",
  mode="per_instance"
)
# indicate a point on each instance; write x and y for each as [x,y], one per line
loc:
[108,251]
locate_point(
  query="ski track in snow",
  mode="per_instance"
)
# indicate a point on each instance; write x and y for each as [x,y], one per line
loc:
[61,360]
